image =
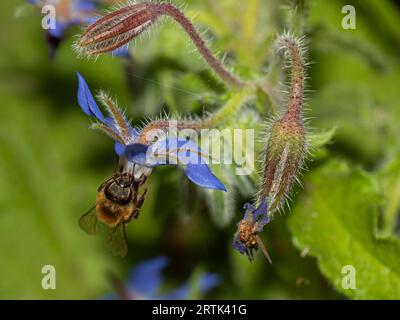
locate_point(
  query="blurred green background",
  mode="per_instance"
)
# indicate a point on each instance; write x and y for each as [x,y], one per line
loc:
[346,214]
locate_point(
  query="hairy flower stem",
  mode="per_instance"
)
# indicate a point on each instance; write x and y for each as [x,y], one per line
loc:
[295,103]
[164,125]
[228,110]
[286,145]
[213,62]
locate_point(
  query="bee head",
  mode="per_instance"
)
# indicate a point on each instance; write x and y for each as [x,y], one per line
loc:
[119,189]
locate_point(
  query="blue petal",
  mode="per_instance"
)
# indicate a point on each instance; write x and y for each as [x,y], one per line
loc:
[189,156]
[146,278]
[262,222]
[262,210]
[89,19]
[87,102]
[84,5]
[181,293]
[119,149]
[184,153]
[133,132]
[137,153]
[261,216]
[201,175]
[208,282]
[59,30]
[122,52]
[174,151]
[248,209]
[205,284]
[237,245]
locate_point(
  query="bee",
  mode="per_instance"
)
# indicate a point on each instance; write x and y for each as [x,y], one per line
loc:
[118,201]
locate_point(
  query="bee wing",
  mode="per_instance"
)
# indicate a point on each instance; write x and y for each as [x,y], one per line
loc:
[116,240]
[88,222]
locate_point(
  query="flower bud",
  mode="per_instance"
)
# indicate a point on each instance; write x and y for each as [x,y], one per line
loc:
[287,143]
[284,158]
[117,28]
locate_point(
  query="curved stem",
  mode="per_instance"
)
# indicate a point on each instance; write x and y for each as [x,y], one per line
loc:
[231,107]
[213,62]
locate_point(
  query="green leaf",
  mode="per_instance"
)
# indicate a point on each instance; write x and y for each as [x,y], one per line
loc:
[359,131]
[320,139]
[390,180]
[335,221]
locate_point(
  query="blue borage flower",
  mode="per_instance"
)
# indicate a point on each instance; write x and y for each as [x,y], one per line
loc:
[142,157]
[71,13]
[146,279]
[246,238]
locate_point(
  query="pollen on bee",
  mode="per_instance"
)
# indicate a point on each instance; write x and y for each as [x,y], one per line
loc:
[111,213]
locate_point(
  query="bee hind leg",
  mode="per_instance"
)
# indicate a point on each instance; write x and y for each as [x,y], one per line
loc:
[139,203]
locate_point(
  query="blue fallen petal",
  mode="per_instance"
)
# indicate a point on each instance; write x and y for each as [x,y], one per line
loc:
[146,277]
[122,52]
[181,293]
[208,282]
[59,30]
[84,5]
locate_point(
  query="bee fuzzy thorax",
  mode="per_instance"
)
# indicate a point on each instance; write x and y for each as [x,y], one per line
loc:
[112,213]
[117,200]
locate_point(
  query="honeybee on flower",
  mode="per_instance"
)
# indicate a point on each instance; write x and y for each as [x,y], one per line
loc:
[119,198]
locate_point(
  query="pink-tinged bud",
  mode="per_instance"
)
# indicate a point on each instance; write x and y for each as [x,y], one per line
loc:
[284,158]
[117,28]
[287,143]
